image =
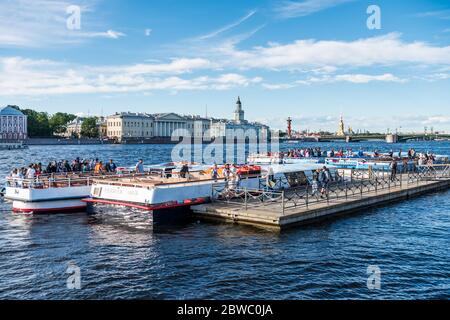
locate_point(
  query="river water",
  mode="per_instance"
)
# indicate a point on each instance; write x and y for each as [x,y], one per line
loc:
[120,254]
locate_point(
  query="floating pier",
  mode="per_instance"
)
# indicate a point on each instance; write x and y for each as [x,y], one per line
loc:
[283,209]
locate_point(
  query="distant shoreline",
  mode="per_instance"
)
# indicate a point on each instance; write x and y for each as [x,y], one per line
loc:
[73,142]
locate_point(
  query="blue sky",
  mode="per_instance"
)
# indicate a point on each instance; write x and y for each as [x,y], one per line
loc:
[308,59]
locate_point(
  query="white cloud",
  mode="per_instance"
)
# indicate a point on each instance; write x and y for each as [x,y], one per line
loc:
[365,78]
[352,78]
[382,50]
[108,34]
[20,76]
[176,66]
[39,23]
[441,14]
[278,86]
[227,27]
[291,9]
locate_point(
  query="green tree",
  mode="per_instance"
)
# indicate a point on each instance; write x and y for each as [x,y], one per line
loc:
[58,122]
[89,128]
[38,123]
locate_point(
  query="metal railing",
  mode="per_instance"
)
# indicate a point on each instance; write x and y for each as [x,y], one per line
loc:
[46,181]
[355,184]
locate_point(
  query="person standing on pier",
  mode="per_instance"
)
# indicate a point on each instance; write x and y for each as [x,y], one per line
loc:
[393,166]
[315,183]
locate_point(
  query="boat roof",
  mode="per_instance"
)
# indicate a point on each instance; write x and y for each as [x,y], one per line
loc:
[295,167]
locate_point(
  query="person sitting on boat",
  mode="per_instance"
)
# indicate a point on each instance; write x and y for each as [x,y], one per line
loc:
[15,177]
[38,168]
[226,172]
[332,153]
[76,165]
[65,167]
[184,171]
[99,167]
[31,172]
[140,166]
[111,166]
[215,173]
[360,153]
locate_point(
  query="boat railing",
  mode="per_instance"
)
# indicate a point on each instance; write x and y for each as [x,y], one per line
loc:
[60,181]
[174,178]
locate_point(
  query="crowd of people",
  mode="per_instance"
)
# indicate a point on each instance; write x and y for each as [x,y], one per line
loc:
[229,172]
[350,153]
[63,166]
[319,153]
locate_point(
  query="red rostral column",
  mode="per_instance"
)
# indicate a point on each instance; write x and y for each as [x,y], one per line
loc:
[289,127]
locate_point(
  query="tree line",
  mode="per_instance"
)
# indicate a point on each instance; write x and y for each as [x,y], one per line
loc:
[44,125]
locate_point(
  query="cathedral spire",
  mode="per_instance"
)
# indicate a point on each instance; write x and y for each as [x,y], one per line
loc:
[239,113]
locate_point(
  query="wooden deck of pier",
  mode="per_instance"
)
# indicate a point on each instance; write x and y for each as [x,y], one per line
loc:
[270,215]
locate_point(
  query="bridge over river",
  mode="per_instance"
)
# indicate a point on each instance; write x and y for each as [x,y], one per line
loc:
[392,138]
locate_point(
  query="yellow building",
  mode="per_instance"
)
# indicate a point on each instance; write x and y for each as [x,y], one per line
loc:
[341,128]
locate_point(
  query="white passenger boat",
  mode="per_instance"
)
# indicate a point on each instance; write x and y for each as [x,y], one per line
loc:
[156,191]
[281,176]
[162,190]
[277,158]
[365,164]
[50,193]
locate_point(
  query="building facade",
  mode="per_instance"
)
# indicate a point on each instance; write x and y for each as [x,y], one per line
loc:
[127,125]
[167,123]
[238,126]
[13,124]
[198,127]
[341,128]
[74,127]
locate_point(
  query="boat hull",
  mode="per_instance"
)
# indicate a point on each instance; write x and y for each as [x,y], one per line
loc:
[59,206]
[49,200]
[170,195]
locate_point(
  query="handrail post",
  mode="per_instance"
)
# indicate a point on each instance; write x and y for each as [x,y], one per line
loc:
[307,195]
[346,190]
[282,202]
[246,198]
[376,184]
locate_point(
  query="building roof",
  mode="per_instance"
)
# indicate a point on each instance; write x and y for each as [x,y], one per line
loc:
[10,111]
[130,114]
